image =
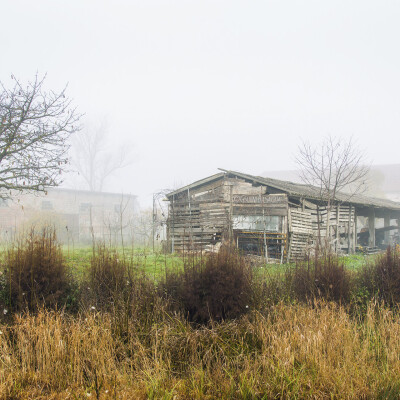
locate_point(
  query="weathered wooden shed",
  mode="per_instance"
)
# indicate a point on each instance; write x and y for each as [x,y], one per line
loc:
[279,220]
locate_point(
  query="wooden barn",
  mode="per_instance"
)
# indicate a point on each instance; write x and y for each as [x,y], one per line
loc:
[276,219]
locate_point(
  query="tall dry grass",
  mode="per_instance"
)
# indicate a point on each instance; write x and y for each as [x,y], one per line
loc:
[35,273]
[294,351]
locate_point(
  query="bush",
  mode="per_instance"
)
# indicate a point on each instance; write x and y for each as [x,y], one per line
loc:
[381,277]
[107,278]
[36,274]
[115,286]
[320,277]
[216,288]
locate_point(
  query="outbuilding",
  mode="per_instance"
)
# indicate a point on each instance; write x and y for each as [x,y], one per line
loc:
[276,219]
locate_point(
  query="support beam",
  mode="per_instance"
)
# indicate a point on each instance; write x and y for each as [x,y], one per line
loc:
[349,232]
[398,230]
[337,241]
[371,227]
[355,237]
[386,223]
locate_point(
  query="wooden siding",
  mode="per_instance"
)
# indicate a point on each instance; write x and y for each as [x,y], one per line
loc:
[202,217]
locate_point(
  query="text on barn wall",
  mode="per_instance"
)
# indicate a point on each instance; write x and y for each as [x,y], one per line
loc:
[258,199]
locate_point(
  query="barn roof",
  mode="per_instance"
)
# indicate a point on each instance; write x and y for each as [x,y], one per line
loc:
[295,190]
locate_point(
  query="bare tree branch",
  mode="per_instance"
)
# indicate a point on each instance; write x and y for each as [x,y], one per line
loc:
[96,159]
[34,129]
[334,166]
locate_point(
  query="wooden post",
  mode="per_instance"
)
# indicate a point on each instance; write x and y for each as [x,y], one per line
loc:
[265,239]
[337,243]
[230,213]
[319,229]
[371,227]
[154,220]
[349,249]
[190,223]
[173,225]
[386,223]
[289,236]
[355,238]
[398,230]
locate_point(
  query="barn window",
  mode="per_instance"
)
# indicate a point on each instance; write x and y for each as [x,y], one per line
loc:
[267,223]
[256,234]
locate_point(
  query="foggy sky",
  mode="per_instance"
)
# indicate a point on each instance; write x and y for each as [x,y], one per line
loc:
[197,85]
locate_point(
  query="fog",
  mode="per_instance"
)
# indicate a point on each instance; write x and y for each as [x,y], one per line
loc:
[194,86]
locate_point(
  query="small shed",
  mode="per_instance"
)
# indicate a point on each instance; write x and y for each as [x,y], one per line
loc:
[279,220]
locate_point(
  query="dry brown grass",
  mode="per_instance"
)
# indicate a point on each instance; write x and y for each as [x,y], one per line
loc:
[36,273]
[300,351]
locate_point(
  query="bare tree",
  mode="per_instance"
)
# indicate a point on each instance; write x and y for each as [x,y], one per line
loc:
[34,129]
[334,166]
[95,158]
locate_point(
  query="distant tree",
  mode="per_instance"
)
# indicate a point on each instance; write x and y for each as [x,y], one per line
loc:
[35,125]
[96,158]
[335,165]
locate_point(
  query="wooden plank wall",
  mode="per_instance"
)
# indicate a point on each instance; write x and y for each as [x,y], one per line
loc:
[195,227]
[300,233]
[341,222]
[308,225]
[199,218]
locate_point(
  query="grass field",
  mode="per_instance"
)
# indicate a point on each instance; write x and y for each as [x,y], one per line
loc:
[155,263]
[321,329]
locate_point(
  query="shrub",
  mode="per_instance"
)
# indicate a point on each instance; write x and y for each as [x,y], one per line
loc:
[320,277]
[107,278]
[114,285]
[381,277]
[218,287]
[36,274]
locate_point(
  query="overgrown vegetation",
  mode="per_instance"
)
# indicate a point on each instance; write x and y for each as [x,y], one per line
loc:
[213,327]
[217,288]
[35,273]
[381,277]
[294,351]
[320,276]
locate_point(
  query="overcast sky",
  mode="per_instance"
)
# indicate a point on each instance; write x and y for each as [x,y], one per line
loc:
[197,85]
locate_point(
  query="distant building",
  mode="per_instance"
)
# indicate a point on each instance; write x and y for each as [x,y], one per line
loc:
[78,215]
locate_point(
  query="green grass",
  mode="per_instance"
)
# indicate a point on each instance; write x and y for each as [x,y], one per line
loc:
[155,264]
[353,262]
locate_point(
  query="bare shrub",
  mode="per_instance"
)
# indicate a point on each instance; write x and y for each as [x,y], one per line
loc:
[115,286]
[107,278]
[381,277]
[216,288]
[320,277]
[36,273]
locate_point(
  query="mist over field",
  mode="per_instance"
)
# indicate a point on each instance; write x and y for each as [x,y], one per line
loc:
[188,87]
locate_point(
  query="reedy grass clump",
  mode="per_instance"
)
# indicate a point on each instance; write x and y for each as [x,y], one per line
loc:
[35,273]
[320,277]
[380,278]
[116,286]
[294,351]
